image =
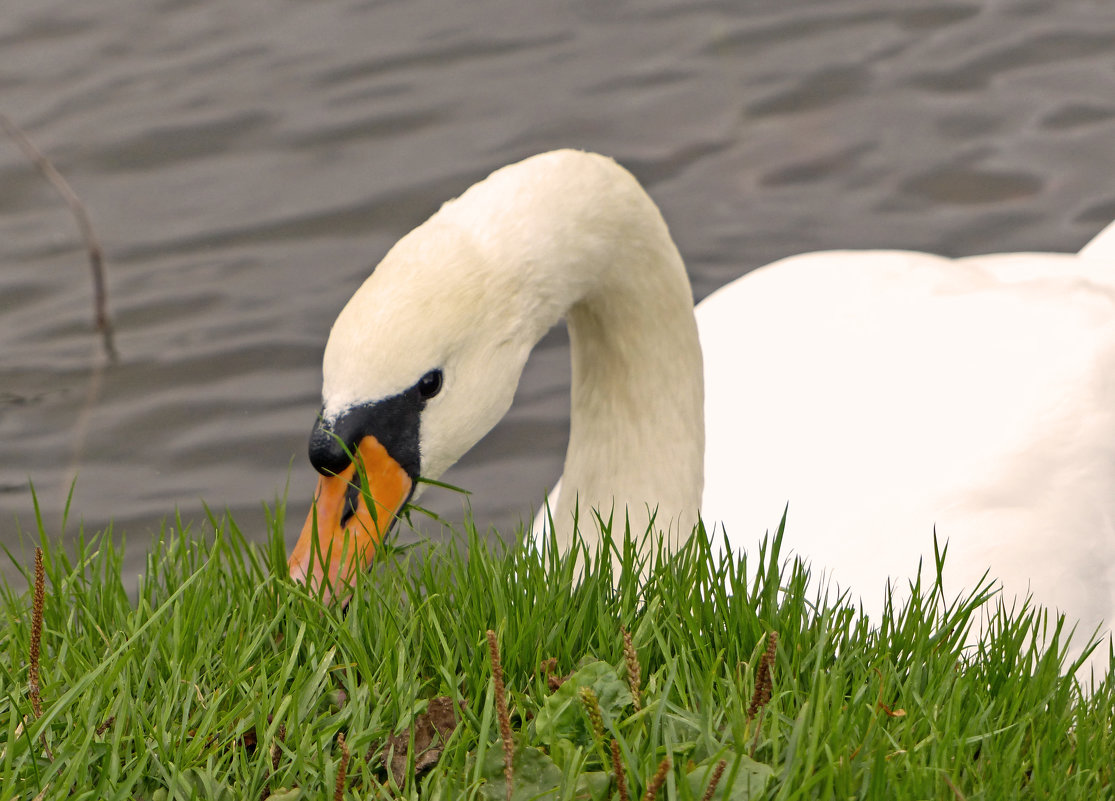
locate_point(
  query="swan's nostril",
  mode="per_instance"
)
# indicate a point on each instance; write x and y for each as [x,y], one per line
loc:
[327,449]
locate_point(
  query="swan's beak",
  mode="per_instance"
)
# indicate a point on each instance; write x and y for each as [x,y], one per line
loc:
[341,532]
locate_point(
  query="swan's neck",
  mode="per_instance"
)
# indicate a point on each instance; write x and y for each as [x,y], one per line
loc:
[637,420]
[590,245]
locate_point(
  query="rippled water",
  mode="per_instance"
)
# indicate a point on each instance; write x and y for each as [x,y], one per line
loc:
[245,164]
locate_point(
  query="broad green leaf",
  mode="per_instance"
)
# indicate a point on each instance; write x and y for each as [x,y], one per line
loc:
[535,776]
[743,779]
[563,715]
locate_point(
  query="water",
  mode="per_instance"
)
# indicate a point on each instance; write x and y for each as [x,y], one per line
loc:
[246,164]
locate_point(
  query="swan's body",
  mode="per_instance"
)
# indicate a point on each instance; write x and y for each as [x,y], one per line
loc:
[884,394]
[879,393]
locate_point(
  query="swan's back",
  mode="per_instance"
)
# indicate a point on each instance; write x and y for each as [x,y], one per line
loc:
[1102,245]
[884,393]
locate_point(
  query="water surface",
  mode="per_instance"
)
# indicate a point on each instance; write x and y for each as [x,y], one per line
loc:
[246,164]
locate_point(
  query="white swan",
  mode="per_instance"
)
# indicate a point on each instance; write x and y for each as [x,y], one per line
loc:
[880,393]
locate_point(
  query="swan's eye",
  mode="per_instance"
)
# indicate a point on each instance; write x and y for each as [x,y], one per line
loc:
[430,384]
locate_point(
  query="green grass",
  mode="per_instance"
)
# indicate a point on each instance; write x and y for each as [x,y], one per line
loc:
[220,679]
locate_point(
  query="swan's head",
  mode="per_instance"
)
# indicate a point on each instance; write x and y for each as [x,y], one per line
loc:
[422,362]
[425,357]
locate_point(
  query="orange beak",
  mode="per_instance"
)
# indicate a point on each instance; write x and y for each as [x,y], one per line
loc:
[341,533]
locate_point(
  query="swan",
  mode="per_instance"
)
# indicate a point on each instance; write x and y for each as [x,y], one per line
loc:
[882,394]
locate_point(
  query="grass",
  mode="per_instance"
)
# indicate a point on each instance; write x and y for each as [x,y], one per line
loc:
[221,679]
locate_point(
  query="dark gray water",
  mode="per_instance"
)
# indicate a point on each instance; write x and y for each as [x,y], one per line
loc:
[245,164]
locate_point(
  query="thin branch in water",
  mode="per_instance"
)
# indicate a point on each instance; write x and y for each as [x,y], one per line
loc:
[77,208]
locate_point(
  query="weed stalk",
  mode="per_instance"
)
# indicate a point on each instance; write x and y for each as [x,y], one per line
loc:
[763,686]
[621,776]
[657,780]
[503,714]
[717,773]
[342,769]
[37,631]
[634,670]
[592,709]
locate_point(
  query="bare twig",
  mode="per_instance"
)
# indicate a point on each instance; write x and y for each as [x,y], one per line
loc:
[502,713]
[77,208]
